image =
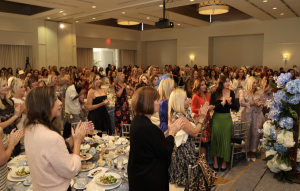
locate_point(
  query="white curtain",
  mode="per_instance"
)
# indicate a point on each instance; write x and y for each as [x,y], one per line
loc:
[127,57]
[85,57]
[14,56]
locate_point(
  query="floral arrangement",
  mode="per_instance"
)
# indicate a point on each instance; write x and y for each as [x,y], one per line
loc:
[278,140]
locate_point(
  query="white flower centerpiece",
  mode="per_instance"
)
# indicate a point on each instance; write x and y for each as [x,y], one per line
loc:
[278,139]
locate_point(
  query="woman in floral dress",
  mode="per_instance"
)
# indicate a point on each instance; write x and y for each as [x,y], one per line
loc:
[121,104]
[133,80]
[252,101]
[183,154]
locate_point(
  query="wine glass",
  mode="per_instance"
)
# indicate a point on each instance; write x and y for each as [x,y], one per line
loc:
[123,141]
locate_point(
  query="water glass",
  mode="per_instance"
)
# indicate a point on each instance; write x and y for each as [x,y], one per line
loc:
[108,162]
[123,141]
[120,163]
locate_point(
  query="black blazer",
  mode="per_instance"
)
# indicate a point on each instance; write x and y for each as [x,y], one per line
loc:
[149,153]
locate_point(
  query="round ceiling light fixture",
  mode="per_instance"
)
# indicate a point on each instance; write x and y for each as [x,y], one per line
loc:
[123,22]
[215,7]
[61,25]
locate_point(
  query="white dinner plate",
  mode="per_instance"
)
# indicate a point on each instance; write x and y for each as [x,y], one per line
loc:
[17,158]
[78,188]
[117,176]
[10,178]
[85,147]
[91,167]
[89,156]
[14,170]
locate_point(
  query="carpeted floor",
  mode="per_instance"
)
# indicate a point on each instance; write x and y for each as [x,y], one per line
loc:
[252,176]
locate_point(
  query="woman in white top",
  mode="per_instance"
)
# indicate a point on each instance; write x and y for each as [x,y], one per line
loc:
[17,91]
[45,76]
[238,84]
[51,165]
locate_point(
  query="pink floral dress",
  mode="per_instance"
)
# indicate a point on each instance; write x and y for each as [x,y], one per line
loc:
[254,114]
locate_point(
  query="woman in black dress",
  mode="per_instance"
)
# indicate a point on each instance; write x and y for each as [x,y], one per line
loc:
[97,103]
[149,149]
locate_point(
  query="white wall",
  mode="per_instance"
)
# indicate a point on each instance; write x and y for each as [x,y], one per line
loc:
[281,36]
[238,51]
[102,55]
[162,53]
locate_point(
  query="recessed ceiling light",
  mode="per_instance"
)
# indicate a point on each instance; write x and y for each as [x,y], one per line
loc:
[178,24]
[94,7]
[282,14]
[48,17]
[160,5]
[77,21]
[123,13]
[148,17]
[274,7]
[61,11]
[62,25]
[64,13]
[191,0]
[94,18]
[265,1]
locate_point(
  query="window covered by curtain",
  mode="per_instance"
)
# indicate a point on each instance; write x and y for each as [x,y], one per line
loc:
[127,57]
[14,56]
[85,57]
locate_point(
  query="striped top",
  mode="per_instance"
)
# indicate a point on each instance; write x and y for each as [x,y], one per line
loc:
[3,169]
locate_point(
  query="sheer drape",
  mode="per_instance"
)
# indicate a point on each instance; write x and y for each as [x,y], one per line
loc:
[85,57]
[14,56]
[127,57]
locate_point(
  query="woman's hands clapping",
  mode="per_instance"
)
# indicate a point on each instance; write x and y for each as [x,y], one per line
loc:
[18,109]
[203,112]
[175,126]
[15,136]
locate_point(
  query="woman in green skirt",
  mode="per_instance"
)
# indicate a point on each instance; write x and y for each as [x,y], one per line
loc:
[223,99]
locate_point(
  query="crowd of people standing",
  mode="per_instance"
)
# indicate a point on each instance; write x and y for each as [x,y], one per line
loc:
[186,95]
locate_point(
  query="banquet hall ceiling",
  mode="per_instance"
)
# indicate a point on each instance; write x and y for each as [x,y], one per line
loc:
[182,12]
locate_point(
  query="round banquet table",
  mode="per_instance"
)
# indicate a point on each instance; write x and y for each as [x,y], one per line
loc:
[11,186]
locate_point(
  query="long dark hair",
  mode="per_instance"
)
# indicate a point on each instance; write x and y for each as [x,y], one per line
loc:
[268,82]
[39,103]
[216,75]
[111,79]
[220,87]
[226,74]
[293,77]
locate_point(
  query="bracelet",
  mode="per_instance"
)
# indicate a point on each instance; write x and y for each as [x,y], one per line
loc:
[200,123]
[9,145]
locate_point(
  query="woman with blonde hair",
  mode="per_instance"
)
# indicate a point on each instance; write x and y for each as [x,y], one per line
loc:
[165,88]
[9,112]
[183,153]
[53,81]
[97,103]
[238,84]
[17,89]
[6,149]
[143,81]
[121,104]
[86,78]
[252,100]
[152,71]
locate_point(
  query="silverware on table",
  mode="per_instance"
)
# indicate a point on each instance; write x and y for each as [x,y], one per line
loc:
[17,184]
[125,180]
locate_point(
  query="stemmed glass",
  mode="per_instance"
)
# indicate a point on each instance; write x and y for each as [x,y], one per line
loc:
[123,141]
